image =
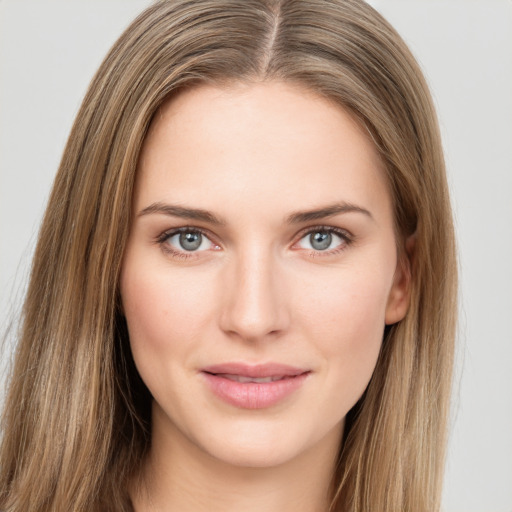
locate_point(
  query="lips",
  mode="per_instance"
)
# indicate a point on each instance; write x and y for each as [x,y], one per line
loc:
[243,378]
[254,387]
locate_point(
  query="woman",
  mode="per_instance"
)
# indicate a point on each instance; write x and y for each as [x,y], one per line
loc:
[243,292]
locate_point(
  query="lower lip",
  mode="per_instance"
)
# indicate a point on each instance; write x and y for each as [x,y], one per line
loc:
[254,395]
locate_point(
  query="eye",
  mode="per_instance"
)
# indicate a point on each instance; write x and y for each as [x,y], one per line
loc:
[186,240]
[324,239]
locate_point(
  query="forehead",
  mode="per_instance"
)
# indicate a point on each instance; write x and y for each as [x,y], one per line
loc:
[260,145]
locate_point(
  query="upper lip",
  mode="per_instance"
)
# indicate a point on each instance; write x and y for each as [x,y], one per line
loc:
[258,370]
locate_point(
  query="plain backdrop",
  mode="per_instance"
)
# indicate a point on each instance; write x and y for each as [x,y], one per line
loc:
[49,51]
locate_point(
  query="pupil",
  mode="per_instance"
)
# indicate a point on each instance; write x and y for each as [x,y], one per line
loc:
[320,240]
[190,241]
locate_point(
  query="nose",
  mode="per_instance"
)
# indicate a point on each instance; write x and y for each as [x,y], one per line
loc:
[254,299]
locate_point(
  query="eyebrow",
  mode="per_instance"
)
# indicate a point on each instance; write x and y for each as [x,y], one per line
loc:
[182,212]
[295,218]
[327,211]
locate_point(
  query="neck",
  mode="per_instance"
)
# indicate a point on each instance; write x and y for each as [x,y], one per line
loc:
[178,475]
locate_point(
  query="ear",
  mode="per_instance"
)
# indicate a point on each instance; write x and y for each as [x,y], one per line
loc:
[400,293]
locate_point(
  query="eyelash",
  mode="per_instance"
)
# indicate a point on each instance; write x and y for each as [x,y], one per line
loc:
[347,238]
[182,255]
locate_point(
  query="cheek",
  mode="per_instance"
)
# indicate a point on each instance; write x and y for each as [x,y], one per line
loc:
[165,314]
[351,308]
[347,323]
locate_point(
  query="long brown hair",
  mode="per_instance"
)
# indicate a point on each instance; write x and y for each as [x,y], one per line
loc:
[76,422]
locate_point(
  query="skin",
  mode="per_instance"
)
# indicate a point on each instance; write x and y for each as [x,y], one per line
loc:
[256,291]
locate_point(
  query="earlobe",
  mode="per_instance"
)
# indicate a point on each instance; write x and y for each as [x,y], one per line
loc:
[399,295]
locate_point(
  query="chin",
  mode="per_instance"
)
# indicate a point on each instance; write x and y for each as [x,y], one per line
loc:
[263,445]
[255,456]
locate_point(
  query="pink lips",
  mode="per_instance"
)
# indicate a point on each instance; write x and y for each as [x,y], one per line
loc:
[253,387]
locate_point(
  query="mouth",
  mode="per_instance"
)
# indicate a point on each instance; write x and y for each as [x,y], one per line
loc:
[254,387]
[243,378]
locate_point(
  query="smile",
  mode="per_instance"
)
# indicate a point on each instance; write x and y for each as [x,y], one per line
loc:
[243,378]
[253,387]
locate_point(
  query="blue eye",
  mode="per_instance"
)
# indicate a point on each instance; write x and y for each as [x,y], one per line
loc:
[323,240]
[188,240]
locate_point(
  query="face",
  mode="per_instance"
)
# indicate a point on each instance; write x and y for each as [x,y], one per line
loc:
[260,271]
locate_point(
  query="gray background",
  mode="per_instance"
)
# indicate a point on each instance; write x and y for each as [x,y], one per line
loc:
[49,50]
